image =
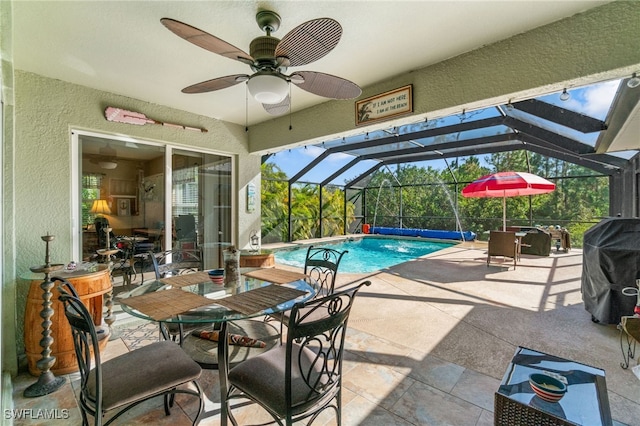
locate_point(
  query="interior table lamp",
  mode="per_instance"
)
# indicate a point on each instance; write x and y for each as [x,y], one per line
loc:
[100,208]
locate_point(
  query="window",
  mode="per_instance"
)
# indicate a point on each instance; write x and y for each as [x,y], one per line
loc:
[91,184]
[185,191]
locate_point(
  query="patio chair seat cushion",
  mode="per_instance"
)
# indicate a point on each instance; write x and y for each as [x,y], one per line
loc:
[145,371]
[263,378]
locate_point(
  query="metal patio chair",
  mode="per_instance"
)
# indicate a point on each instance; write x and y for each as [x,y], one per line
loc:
[121,383]
[303,378]
[321,264]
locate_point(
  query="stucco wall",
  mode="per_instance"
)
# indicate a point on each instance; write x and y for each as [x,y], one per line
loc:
[46,112]
[599,44]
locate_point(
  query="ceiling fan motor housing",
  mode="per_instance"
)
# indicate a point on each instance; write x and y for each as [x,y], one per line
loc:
[262,49]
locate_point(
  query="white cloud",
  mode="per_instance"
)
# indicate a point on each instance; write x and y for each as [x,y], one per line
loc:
[598,98]
[339,157]
[311,151]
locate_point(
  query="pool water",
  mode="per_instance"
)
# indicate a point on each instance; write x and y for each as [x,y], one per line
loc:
[367,254]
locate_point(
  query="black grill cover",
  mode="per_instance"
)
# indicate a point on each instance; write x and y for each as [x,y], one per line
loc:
[610,262]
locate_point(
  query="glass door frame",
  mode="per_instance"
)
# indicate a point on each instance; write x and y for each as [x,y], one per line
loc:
[76,182]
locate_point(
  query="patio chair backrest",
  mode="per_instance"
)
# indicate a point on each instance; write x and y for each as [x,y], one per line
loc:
[101,223]
[322,265]
[503,243]
[176,262]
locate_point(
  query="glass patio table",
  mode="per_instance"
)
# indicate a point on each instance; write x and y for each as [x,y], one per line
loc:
[585,402]
[212,310]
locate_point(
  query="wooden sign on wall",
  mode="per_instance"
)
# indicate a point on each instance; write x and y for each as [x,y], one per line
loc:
[384,106]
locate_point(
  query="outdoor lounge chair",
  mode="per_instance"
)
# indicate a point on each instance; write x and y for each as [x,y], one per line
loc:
[503,243]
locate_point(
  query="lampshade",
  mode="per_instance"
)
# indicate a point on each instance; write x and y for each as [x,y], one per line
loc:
[268,88]
[100,207]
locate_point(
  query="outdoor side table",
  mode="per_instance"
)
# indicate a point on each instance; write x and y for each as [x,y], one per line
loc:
[585,403]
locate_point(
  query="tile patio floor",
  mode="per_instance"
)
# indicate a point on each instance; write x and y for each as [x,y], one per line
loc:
[428,343]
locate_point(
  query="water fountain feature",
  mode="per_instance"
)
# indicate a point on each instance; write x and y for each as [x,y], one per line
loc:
[458,234]
[375,211]
[453,207]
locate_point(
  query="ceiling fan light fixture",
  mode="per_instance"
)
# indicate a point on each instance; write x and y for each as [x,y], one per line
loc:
[268,88]
[109,165]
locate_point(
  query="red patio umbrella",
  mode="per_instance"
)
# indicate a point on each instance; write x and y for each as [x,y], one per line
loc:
[507,184]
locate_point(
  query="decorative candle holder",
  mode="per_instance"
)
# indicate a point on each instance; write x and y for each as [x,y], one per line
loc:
[107,253]
[47,382]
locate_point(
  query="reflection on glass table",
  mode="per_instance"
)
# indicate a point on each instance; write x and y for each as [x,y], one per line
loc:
[585,402]
[214,312]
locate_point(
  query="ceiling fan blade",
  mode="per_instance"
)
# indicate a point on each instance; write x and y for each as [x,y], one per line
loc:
[279,108]
[216,84]
[326,85]
[206,41]
[309,41]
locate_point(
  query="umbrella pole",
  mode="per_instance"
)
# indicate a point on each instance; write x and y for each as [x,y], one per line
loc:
[504,212]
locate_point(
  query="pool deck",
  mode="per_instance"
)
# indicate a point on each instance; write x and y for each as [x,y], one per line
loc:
[428,342]
[449,310]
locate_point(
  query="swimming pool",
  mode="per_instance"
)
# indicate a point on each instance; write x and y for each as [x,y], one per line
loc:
[367,254]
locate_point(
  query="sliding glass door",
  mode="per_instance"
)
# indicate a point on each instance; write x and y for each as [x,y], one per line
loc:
[201,203]
[171,198]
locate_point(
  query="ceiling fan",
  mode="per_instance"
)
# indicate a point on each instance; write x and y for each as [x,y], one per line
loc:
[106,157]
[270,58]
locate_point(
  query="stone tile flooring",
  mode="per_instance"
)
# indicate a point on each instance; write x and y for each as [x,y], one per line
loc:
[376,392]
[427,344]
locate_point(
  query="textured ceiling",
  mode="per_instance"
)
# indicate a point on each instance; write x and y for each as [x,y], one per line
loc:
[121,46]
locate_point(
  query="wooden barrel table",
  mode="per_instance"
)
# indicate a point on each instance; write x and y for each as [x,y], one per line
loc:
[91,285]
[256,260]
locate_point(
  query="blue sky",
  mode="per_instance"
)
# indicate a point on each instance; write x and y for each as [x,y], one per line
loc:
[594,101]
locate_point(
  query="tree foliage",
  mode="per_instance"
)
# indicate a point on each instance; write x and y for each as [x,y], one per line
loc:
[430,198]
[305,208]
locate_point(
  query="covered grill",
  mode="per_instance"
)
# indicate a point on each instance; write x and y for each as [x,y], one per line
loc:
[611,261]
